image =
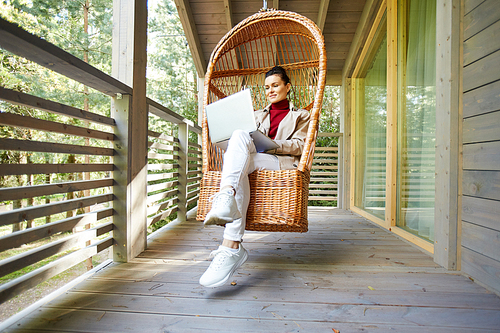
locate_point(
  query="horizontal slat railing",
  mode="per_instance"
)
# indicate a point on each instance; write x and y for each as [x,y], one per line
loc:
[41,211]
[31,279]
[417,179]
[38,212]
[15,193]
[324,183]
[22,99]
[162,189]
[31,47]
[174,168]
[50,229]
[52,147]
[27,258]
[24,169]
[56,196]
[194,174]
[44,125]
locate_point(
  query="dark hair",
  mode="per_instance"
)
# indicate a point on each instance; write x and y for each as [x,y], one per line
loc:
[280,71]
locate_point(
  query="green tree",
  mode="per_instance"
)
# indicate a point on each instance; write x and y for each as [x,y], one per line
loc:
[61,23]
[330,116]
[171,71]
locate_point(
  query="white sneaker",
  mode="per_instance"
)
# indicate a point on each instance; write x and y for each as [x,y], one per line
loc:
[223,266]
[224,209]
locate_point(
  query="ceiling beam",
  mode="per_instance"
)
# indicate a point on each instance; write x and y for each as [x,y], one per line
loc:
[186,16]
[322,13]
[229,14]
[365,23]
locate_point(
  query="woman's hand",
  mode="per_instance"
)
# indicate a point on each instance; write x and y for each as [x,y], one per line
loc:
[271,151]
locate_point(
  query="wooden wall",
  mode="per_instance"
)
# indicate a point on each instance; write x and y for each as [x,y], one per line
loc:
[480,243]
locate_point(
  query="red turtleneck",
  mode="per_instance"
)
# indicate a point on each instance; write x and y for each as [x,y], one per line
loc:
[277,112]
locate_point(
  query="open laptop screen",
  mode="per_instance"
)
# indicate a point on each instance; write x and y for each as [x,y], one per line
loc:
[233,113]
[229,114]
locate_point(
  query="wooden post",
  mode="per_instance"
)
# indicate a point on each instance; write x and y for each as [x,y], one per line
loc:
[340,176]
[131,116]
[345,128]
[183,171]
[392,115]
[358,143]
[448,109]
[201,94]
[201,90]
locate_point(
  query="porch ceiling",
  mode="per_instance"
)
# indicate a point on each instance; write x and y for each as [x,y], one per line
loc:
[205,22]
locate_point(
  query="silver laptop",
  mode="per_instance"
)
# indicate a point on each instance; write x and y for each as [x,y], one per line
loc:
[232,113]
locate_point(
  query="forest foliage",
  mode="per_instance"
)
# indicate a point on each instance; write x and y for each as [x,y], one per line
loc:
[171,73]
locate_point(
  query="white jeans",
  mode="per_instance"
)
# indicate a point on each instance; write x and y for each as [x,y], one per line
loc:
[240,160]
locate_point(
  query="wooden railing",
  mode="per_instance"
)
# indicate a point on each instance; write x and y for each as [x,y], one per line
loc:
[55,221]
[174,170]
[326,178]
[60,214]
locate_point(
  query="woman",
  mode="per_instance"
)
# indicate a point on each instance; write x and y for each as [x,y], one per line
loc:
[288,127]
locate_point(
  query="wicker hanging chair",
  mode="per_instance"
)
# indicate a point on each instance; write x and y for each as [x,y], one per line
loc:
[278,200]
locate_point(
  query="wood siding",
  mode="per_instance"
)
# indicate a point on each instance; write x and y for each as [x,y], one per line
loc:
[481,142]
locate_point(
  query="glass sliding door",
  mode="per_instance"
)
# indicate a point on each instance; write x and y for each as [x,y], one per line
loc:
[416,116]
[370,128]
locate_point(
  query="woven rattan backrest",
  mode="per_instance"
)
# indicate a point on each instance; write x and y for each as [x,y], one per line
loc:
[253,47]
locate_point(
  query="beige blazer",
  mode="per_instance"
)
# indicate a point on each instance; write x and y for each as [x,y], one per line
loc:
[290,137]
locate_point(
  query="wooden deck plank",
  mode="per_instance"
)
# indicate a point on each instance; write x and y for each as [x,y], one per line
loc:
[338,291]
[345,274]
[109,321]
[346,240]
[173,272]
[318,311]
[382,259]
[389,279]
[295,249]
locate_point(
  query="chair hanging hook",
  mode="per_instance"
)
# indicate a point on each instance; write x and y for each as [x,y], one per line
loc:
[264,8]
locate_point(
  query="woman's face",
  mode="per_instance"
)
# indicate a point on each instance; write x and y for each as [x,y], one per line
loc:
[276,90]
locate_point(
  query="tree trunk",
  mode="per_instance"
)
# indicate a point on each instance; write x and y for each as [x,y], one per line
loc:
[29,182]
[47,198]
[17,204]
[71,177]
[86,175]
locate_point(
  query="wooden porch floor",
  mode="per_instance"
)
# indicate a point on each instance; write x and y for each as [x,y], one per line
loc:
[345,274]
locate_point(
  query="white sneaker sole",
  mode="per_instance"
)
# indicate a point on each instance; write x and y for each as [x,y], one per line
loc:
[214,219]
[231,272]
